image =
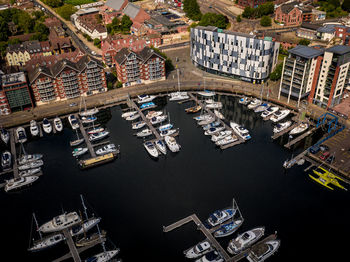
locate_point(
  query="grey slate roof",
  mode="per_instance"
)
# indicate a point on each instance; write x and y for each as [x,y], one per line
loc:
[115,4]
[306,51]
[131,10]
[286,8]
[143,55]
[310,26]
[339,49]
[326,29]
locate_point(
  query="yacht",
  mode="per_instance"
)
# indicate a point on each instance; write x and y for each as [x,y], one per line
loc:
[129,113]
[241,131]
[282,126]
[299,128]
[213,130]
[214,105]
[47,126]
[214,124]
[160,146]
[79,151]
[158,119]
[219,114]
[271,110]
[198,250]
[145,98]
[207,121]
[77,142]
[30,172]
[151,149]
[168,132]
[172,144]
[262,251]
[47,242]
[279,115]
[244,100]
[220,216]
[30,165]
[245,240]
[261,108]
[88,119]
[138,125]
[144,132]
[24,159]
[60,222]
[21,135]
[202,117]
[221,135]
[229,228]
[90,112]
[147,105]
[152,114]
[133,117]
[6,160]
[226,140]
[212,256]
[17,183]
[110,148]
[98,136]
[254,103]
[85,226]
[104,256]
[33,127]
[206,93]
[73,122]
[193,109]
[176,96]
[165,127]
[95,130]
[88,240]
[5,136]
[58,124]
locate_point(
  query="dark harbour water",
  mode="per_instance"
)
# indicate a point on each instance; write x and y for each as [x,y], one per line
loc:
[136,196]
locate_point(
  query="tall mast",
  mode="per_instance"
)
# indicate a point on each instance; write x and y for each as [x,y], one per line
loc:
[82,201]
[37,226]
[178,79]
[102,243]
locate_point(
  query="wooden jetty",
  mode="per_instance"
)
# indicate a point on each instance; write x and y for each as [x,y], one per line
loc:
[275,136]
[14,154]
[86,138]
[299,138]
[73,250]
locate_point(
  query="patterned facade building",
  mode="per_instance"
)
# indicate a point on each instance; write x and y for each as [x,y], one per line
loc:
[66,79]
[233,54]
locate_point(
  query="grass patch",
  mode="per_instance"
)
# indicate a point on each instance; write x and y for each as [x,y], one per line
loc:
[78,2]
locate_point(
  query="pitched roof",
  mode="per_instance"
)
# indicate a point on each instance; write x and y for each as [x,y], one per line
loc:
[286,8]
[143,55]
[115,4]
[131,10]
[147,52]
[122,55]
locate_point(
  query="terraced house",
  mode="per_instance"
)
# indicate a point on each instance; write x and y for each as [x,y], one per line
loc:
[66,79]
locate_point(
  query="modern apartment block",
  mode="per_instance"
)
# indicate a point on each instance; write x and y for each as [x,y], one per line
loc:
[144,66]
[66,79]
[233,54]
[334,75]
[14,93]
[300,69]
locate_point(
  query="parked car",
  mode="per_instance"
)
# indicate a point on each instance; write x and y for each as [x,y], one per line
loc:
[330,159]
[314,149]
[73,104]
[324,148]
[325,155]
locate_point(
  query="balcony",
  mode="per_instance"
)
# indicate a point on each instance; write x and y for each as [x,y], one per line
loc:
[94,70]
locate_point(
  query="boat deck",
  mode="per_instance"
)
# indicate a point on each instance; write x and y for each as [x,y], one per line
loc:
[275,136]
[300,137]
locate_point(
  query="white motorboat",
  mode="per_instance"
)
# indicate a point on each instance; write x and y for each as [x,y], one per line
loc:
[214,105]
[138,125]
[21,135]
[269,111]
[60,222]
[95,130]
[129,113]
[88,119]
[241,131]
[85,226]
[279,115]
[165,127]
[212,256]
[47,242]
[206,93]
[144,132]
[177,96]
[79,151]
[299,128]
[226,140]
[30,165]
[17,183]
[160,146]
[244,100]
[24,159]
[213,130]
[202,117]
[73,121]
[6,160]
[214,124]
[158,119]
[133,117]
[89,112]
[58,124]
[245,240]
[207,121]
[219,114]
[209,101]
[261,108]
[47,126]
[110,148]
[168,132]
[152,114]
[198,250]
[151,149]
[5,135]
[263,251]
[229,228]
[172,144]
[282,126]
[221,135]
[104,256]
[33,127]
[30,172]
[253,104]
[220,216]
[98,136]
[145,98]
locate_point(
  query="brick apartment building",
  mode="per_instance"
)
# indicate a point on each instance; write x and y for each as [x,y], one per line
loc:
[289,14]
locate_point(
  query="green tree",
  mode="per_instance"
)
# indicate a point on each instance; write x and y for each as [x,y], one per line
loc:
[248,12]
[4,31]
[25,22]
[277,73]
[53,3]
[3,46]
[192,9]
[66,11]
[126,23]
[239,19]
[304,42]
[346,5]
[41,28]
[265,21]
[214,19]
[14,41]
[97,42]
[38,14]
